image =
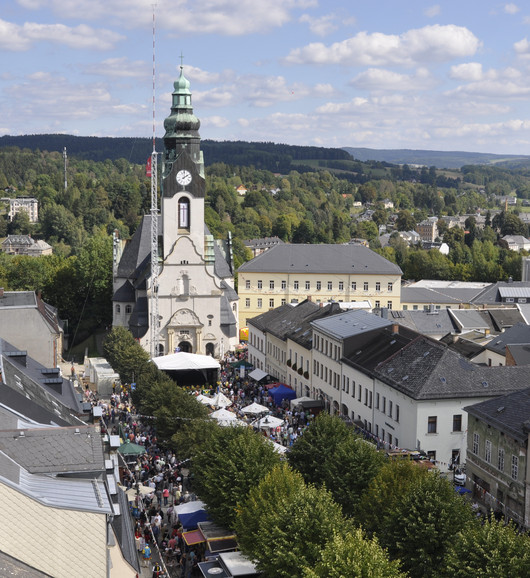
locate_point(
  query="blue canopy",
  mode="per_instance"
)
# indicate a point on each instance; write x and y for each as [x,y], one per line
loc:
[190,521]
[281,392]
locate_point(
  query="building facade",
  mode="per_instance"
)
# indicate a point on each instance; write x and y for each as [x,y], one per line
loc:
[288,273]
[29,205]
[197,303]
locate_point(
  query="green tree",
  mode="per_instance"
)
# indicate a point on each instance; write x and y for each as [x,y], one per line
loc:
[330,455]
[233,461]
[352,555]
[20,225]
[289,533]
[489,550]
[423,524]
[405,221]
[125,355]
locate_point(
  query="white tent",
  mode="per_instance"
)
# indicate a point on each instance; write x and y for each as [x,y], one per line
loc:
[278,447]
[258,374]
[190,507]
[267,422]
[254,409]
[298,400]
[185,361]
[220,400]
[204,399]
[223,415]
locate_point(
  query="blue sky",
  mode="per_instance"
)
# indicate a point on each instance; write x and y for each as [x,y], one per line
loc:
[381,74]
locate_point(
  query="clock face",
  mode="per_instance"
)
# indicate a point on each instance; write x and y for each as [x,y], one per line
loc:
[183,177]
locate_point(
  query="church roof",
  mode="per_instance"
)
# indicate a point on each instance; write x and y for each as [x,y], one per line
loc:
[139,321]
[137,249]
[125,293]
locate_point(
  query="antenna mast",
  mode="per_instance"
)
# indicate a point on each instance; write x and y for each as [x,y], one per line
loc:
[65,157]
[154,321]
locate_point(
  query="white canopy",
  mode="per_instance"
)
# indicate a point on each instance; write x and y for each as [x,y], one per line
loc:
[185,361]
[190,507]
[220,400]
[254,408]
[223,415]
[204,399]
[295,402]
[267,422]
[278,447]
[258,374]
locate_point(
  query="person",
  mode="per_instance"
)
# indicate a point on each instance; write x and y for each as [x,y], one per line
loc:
[146,556]
[157,571]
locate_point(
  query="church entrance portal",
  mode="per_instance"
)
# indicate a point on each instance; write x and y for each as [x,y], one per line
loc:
[185,346]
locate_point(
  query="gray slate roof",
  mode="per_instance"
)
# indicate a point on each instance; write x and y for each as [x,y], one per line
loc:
[437,322]
[505,317]
[10,566]
[427,369]
[509,413]
[303,334]
[333,259]
[18,299]
[55,450]
[519,333]
[470,319]
[438,295]
[350,323]
[284,320]
[491,294]
[520,353]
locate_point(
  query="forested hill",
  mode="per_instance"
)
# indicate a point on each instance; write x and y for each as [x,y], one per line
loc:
[273,157]
[439,159]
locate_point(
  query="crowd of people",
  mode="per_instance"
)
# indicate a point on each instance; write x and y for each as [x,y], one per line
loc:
[160,482]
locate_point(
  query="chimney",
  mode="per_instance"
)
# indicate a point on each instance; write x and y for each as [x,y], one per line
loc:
[309,298]
[395,328]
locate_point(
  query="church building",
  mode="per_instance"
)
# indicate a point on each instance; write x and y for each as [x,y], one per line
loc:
[197,303]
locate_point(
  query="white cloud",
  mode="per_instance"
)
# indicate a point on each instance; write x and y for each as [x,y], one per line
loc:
[14,37]
[377,79]
[511,8]
[215,121]
[320,26]
[468,71]
[181,17]
[432,11]
[120,68]
[423,45]
[522,47]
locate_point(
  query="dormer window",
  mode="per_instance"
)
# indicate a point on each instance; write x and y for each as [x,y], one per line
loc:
[184,213]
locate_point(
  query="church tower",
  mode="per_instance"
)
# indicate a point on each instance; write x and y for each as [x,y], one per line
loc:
[197,303]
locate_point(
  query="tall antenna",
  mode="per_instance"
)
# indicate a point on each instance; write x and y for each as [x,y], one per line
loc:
[154,321]
[65,157]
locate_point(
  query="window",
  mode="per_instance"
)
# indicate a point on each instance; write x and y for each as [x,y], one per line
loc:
[296,285]
[389,304]
[431,424]
[247,302]
[383,406]
[476,440]
[370,399]
[341,285]
[390,408]
[184,213]
[260,303]
[405,307]
[457,422]
[515,467]
[128,309]
[284,301]
[360,393]
[330,285]
[260,284]
[487,451]
[377,303]
[414,307]
[271,284]
[365,285]
[378,286]
[319,285]
[284,284]
[397,414]
[247,284]
[500,460]
[366,396]
[353,388]
[390,285]
[118,309]
[376,401]
[271,302]
[307,285]
[353,286]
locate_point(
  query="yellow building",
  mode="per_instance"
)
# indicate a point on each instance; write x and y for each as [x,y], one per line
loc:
[291,273]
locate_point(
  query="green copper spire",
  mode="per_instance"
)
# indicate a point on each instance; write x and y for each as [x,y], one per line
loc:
[182,126]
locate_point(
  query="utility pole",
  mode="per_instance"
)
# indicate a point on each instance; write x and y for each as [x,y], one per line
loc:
[65,157]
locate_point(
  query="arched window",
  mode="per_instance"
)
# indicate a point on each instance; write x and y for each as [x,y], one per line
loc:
[118,309]
[128,309]
[184,213]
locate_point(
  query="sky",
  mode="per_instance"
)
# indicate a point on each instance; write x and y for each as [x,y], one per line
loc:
[453,75]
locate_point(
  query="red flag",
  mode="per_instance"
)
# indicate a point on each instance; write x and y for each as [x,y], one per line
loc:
[148,167]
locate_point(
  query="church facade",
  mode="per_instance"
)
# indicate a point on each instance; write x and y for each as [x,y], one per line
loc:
[197,303]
